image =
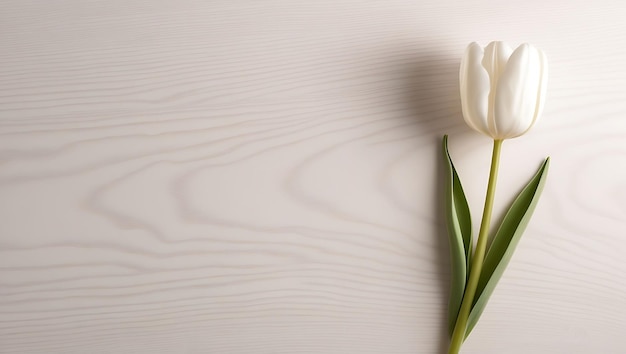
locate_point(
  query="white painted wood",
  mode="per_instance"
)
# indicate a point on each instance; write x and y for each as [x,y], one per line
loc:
[265,177]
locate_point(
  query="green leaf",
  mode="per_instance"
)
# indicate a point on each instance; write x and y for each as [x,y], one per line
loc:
[459,224]
[504,242]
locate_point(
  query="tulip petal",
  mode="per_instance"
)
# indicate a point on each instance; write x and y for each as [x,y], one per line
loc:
[543,86]
[495,58]
[494,61]
[475,86]
[517,95]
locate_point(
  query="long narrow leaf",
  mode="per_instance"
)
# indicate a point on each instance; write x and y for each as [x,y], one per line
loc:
[459,226]
[505,240]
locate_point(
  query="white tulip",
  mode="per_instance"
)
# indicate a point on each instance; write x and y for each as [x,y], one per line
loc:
[503,91]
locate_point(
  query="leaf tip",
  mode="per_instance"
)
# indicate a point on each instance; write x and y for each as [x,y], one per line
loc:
[546,163]
[445,146]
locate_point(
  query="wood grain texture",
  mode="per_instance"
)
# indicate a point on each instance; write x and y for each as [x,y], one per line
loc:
[265,177]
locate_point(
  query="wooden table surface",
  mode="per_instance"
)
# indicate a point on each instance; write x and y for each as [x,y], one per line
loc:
[266,177]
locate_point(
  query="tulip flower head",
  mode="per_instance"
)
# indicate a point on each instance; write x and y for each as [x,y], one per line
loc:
[502,90]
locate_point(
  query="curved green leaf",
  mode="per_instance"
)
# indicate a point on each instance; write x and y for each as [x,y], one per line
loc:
[459,226]
[504,242]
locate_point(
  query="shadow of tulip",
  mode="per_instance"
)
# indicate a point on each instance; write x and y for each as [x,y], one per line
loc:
[433,97]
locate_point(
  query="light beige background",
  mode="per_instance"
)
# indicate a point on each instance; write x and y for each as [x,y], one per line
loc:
[265,177]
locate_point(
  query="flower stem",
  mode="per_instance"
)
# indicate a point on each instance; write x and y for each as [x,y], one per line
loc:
[460,328]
